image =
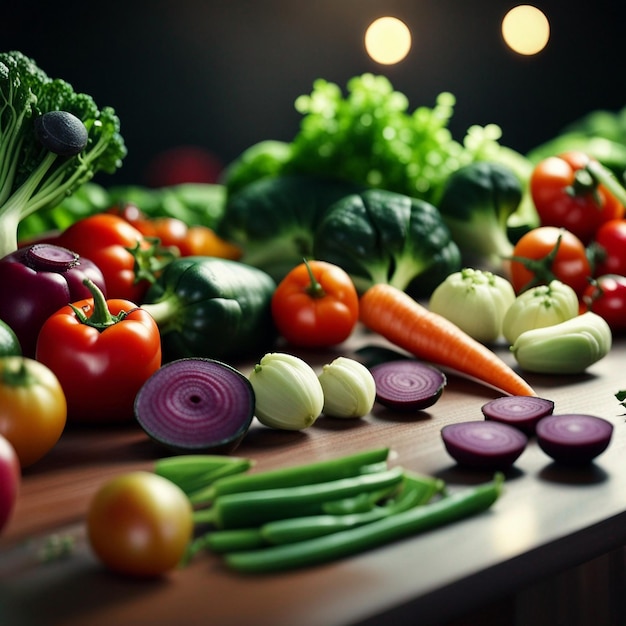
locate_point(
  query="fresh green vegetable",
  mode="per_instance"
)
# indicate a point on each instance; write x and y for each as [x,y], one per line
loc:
[9,343]
[476,204]
[288,394]
[263,159]
[379,236]
[371,137]
[211,307]
[452,508]
[349,388]
[192,472]
[241,510]
[415,491]
[304,474]
[33,175]
[566,348]
[476,301]
[538,307]
[273,220]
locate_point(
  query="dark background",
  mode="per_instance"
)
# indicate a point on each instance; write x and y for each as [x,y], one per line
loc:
[224,74]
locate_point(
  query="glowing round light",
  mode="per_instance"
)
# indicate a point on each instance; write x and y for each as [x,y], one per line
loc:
[387,40]
[525,29]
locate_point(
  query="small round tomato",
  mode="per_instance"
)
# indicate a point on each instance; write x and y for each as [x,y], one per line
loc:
[139,524]
[547,253]
[606,296]
[611,241]
[566,194]
[33,408]
[316,304]
[10,478]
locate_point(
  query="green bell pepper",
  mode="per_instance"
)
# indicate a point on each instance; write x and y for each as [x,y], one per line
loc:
[211,307]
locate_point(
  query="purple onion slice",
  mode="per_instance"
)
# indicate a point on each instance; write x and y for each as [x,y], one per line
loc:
[196,405]
[484,444]
[574,438]
[407,384]
[523,412]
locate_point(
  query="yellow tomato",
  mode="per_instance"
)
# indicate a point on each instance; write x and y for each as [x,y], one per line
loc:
[33,409]
[140,524]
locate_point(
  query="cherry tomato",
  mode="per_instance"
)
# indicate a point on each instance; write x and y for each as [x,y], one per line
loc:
[538,260]
[139,524]
[316,304]
[10,478]
[606,296]
[33,408]
[611,241]
[567,195]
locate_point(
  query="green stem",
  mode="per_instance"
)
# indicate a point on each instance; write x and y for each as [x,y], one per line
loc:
[101,318]
[315,289]
[602,175]
[541,269]
[19,376]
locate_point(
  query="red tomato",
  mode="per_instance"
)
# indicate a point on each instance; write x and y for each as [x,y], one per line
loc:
[538,260]
[102,353]
[611,239]
[33,408]
[139,524]
[107,240]
[10,478]
[606,297]
[316,304]
[567,195]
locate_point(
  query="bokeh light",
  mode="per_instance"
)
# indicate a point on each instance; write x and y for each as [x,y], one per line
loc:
[387,40]
[526,29]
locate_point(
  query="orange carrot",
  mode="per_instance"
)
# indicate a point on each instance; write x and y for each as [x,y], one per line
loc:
[399,318]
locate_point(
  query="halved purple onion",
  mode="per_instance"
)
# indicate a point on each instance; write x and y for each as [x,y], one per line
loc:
[196,405]
[523,412]
[574,438]
[484,444]
[407,384]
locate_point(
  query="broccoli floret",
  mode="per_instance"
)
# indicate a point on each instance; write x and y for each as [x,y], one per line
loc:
[32,176]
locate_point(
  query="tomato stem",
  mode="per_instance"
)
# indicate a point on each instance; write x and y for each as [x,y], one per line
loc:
[540,268]
[314,289]
[18,376]
[603,176]
[100,318]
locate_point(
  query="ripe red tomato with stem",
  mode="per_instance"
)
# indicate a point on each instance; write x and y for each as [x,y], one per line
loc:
[102,352]
[315,305]
[575,192]
[549,253]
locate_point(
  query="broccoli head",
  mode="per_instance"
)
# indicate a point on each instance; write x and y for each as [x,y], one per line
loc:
[34,175]
[380,236]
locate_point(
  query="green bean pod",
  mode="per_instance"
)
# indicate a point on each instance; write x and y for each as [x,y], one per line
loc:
[416,491]
[349,542]
[249,509]
[306,474]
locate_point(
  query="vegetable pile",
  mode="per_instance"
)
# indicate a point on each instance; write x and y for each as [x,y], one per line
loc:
[131,305]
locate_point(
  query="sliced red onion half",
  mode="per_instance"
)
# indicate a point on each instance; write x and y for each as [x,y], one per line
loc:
[484,444]
[196,404]
[574,438]
[406,384]
[523,412]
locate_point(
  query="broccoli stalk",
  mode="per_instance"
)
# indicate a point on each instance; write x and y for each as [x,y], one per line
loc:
[37,170]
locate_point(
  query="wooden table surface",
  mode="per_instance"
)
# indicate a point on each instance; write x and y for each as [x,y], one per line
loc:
[548,519]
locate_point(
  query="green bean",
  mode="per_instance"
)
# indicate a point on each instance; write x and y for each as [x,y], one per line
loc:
[416,491]
[449,509]
[237,510]
[306,474]
[360,503]
[194,471]
[234,539]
